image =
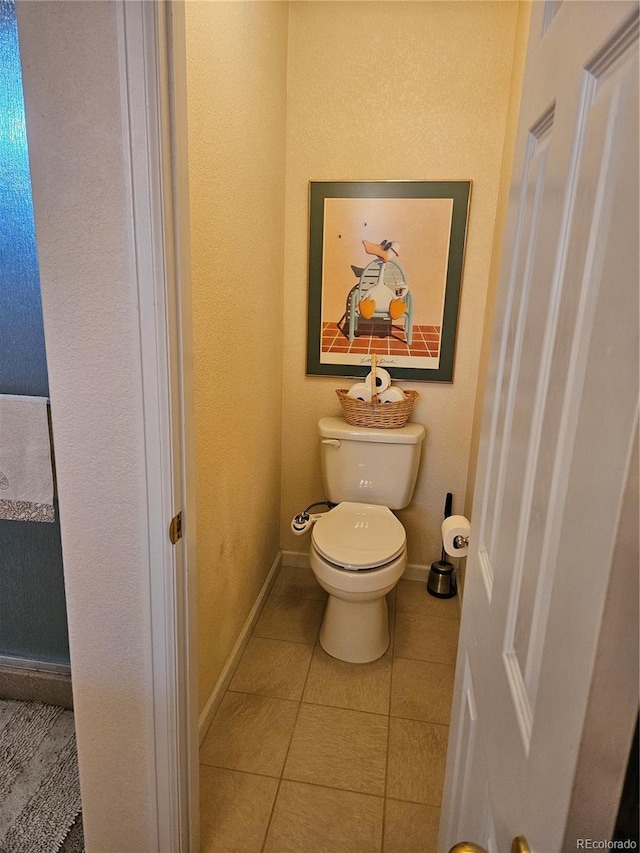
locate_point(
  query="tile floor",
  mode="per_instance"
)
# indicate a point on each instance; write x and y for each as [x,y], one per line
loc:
[314,755]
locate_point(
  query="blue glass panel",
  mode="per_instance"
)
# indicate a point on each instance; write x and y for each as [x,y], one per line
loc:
[23,366]
[33,622]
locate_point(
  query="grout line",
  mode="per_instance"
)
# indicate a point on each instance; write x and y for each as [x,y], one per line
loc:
[419,611]
[414,720]
[258,695]
[427,660]
[273,808]
[281,640]
[319,704]
[235,770]
[422,660]
[284,763]
[386,768]
[319,785]
[297,597]
[416,802]
[333,788]
[386,765]
[342,708]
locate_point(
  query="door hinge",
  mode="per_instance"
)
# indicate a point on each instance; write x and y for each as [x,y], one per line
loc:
[175,528]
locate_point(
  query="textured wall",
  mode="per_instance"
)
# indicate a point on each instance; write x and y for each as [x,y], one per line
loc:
[433,78]
[237,61]
[72,80]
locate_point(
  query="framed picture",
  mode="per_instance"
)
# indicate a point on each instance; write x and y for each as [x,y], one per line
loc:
[385,273]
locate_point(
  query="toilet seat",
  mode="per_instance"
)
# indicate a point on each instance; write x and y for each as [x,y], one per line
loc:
[357,537]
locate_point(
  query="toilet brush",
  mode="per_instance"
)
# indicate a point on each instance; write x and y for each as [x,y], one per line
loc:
[441,581]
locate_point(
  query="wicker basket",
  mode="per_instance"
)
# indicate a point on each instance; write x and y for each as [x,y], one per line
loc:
[379,415]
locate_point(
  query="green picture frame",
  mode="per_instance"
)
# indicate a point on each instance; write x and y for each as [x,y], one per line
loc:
[385,275]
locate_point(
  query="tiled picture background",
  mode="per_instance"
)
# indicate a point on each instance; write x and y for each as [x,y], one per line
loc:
[383,339]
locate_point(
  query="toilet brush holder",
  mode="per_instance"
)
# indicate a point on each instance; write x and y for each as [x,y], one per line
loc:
[442,580]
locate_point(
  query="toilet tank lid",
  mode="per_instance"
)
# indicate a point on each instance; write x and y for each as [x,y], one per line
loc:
[339,428]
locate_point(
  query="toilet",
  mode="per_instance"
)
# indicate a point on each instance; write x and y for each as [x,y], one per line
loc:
[358,548]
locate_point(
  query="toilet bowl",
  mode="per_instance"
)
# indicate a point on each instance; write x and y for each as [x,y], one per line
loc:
[358,554]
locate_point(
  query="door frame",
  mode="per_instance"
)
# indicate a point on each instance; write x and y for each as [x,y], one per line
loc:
[155,59]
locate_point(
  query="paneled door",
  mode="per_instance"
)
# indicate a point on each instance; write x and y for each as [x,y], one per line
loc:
[554,530]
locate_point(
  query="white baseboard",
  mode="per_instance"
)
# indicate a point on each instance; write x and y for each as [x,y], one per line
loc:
[229,668]
[300,559]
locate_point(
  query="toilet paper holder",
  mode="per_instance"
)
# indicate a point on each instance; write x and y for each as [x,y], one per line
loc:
[460,541]
[456,531]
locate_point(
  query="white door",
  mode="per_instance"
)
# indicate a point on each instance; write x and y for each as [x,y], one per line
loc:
[555,472]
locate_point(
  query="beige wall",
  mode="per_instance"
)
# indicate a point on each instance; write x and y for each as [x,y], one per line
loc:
[381,91]
[237,60]
[522,33]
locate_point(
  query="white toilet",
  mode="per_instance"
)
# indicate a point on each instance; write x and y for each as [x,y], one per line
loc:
[358,548]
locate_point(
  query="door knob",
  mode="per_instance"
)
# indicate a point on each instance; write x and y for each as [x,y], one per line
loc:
[518,845]
[467,847]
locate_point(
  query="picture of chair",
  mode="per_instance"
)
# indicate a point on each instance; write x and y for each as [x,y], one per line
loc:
[382,292]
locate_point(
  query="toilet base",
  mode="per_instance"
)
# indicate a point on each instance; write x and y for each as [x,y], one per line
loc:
[355,631]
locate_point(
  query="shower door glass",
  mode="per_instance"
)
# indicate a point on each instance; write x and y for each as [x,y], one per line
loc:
[33,621]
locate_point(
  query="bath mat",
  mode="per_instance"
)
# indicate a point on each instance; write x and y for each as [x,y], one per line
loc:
[74,842]
[39,786]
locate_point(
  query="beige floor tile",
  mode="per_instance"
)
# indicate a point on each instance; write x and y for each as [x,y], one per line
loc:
[339,748]
[410,828]
[421,690]
[312,819]
[294,619]
[358,686]
[234,810]
[250,733]
[298,583]
[272,668]
[412,596]
[417,757]
[421,637]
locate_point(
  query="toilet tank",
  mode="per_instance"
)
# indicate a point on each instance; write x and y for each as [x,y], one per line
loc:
[368,465]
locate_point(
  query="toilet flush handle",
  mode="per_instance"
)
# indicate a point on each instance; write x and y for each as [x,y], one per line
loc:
[334,442]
